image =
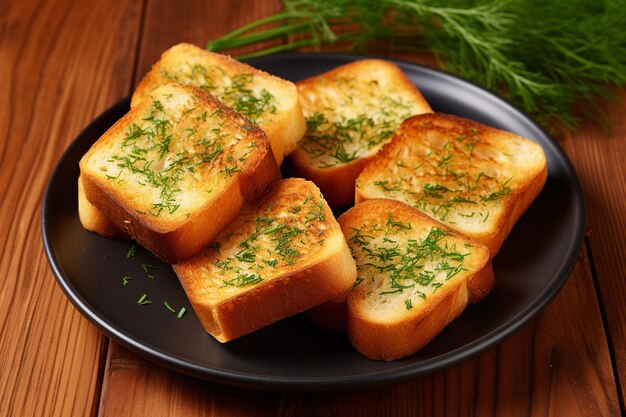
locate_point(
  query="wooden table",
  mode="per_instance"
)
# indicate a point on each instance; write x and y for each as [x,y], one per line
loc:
[63,62]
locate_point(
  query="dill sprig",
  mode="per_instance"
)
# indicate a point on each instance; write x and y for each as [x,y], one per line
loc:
[544,56]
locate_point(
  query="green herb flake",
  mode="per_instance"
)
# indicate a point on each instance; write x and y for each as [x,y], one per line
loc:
[143,300]
[146,267]
[131,252]
[168,306]
[242,280]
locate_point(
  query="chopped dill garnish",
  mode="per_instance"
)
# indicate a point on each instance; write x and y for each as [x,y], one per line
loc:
[146,267]
[385,185]
[131,252]
[333,139]
[143,300]
[495,195]
[168,306]
[242,280]
[415,265]
[396,224]
[149,141]
[273,239]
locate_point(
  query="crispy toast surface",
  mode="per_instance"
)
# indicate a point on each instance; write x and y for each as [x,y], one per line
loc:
[281,256]
[474,178]
[176,169]
[351,112]
[268,101]
[415,276]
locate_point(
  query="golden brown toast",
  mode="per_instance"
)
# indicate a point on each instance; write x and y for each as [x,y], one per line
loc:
[415,276]
[268,101]
[351,113]
[474,178]
[176,170]
[281,256]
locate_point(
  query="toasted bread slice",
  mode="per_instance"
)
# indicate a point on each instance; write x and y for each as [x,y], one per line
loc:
[415,276]
[93,219]
[268,101]
[351,113]
[474,178]
[176,170]
[280,257]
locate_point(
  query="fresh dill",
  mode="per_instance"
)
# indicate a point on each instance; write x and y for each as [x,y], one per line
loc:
[168,306]
[143,300]
[131,252]
[147,267]
[243,280]
[542,55]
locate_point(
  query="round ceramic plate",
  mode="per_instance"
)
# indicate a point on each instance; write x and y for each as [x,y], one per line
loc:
[533,264]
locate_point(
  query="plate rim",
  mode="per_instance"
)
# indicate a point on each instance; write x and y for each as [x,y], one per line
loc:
[330,383]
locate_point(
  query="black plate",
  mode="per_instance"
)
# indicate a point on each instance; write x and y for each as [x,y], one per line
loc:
[531,267]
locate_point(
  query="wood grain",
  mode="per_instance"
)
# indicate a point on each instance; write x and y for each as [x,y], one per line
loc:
[52,83]
[601,168]
[192,21]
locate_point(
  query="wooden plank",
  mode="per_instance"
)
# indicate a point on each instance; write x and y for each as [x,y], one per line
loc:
[55,76]
[136,387]
[599,161]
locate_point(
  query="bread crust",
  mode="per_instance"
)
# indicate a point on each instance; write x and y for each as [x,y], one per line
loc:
[337,182]
[324,274]
[93,219]
[173,240]
[529,178]
[409,336]
[372,339]
[404,333]
[280,298]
